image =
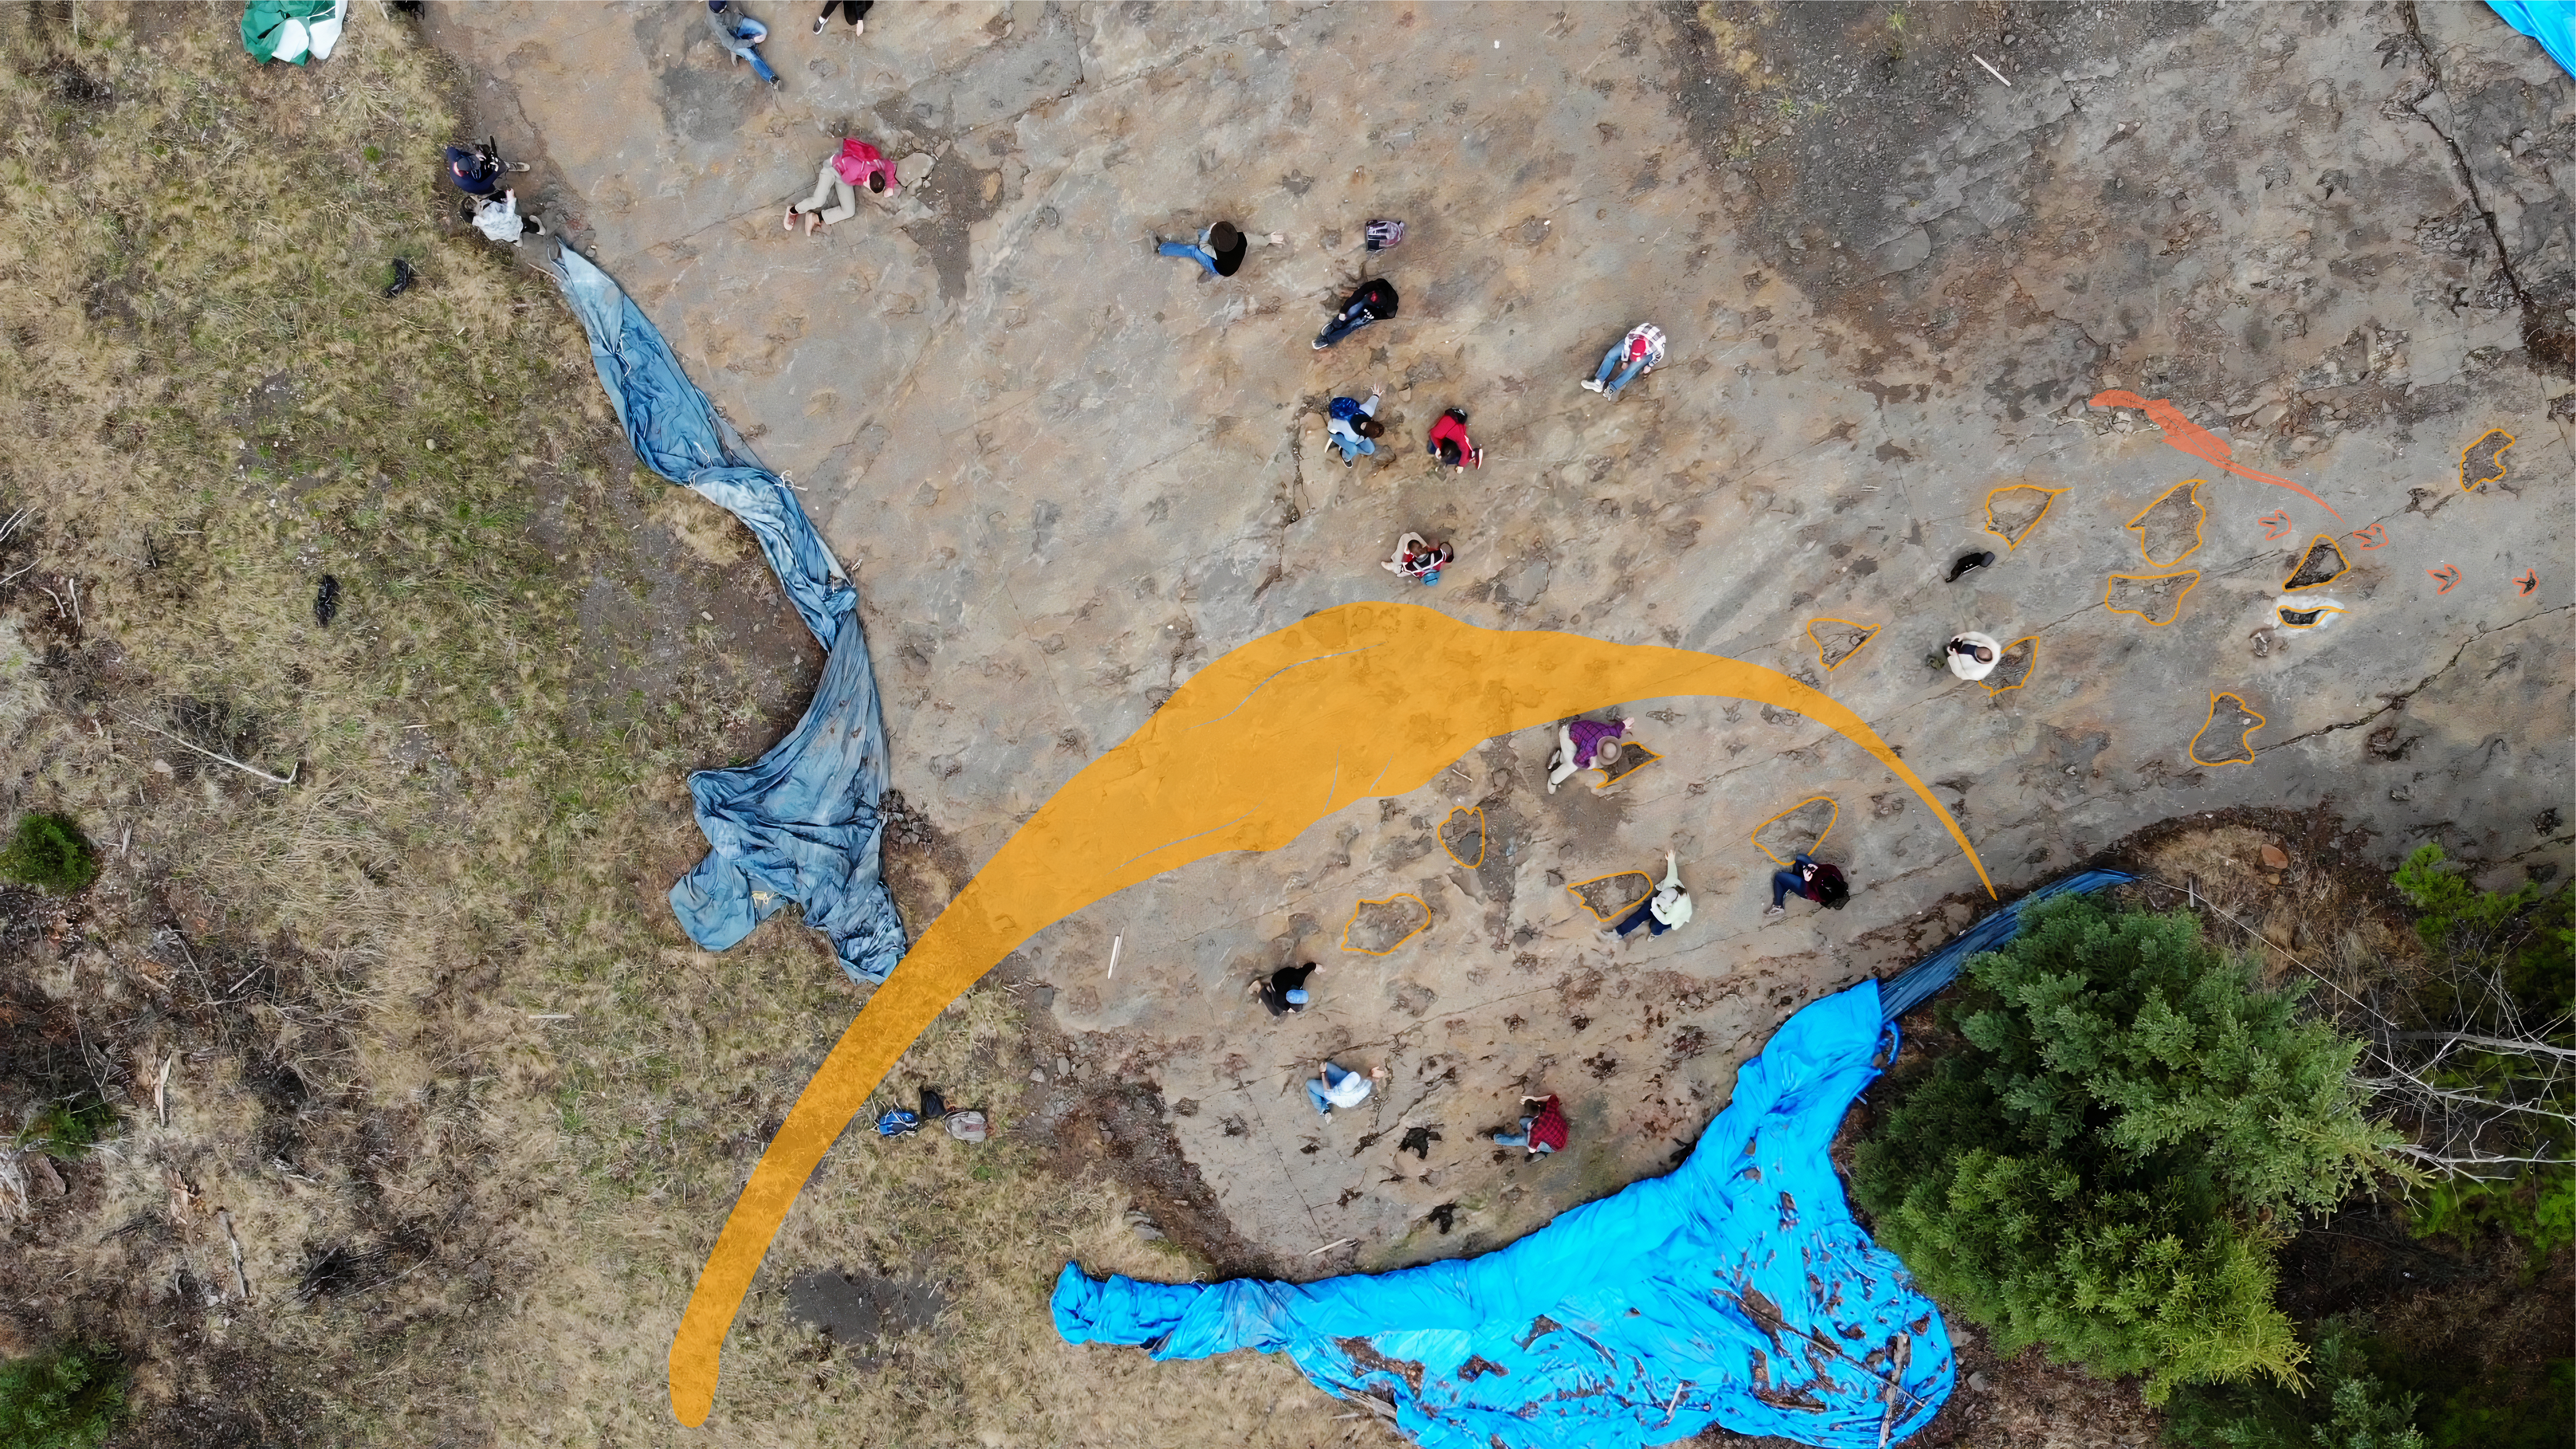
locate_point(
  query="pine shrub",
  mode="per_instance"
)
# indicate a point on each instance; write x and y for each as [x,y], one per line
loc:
[2347,1408]
[2106,1166]
[49,852]
[66,1399]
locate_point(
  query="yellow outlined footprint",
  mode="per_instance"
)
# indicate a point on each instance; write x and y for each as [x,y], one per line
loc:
[1824,652]
[2244,737]
[2489,465]
[2199,522]
[1400,940]
[1477,811]
[1358,701]
[1576,890]
[2014,672]
[2308,559]
[1834,812]
[2157,596]
[2012,537]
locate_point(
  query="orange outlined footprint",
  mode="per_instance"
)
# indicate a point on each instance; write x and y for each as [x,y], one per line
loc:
[2018,516]
[2313,570]
[1591,899]
[1833,812]
[1379,925]
[1835,646]
[2366,539]
[2156,598]
[2014,667]
[2159,525]
[1448,825]
[2482,461]
[2448,576]
[2243,720]
[2276,525]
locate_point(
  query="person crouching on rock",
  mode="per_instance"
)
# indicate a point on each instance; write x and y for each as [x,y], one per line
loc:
[1809,878]
[1338,1088]
[1450,443]
[1668,907]
[1220,249]
[1541,1131]
[1285,990]
[1419,558]
[1375,301]
[1584,744]
[1353,427]
[858,164]
[1972,656]
[498,218]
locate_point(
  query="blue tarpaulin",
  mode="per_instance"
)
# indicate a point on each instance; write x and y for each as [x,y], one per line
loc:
[1919,982]
[800,823]
[2551,22]
[1737,1290]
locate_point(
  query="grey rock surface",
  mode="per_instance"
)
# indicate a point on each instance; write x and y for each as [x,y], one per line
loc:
[1067,472]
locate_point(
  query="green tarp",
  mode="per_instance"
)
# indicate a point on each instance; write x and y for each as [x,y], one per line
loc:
[292,30]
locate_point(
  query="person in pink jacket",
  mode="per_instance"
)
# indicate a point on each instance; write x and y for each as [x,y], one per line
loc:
[1578,747]
[859,164]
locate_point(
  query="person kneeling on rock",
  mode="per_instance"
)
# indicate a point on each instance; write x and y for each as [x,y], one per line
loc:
[1450,443]
[1338,1088]
[1285,991]
[1584,744]
[1419,558]
[1668,907]
[1542,1131]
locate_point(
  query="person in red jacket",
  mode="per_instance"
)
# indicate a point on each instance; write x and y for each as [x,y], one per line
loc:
[1450,443]
[1542,1132]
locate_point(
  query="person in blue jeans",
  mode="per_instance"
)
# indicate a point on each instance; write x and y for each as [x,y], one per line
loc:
[1632,357]
[1338,1088]
[1220,249]
[738,33]
[1809,879]
[1353,427]
[1375,301]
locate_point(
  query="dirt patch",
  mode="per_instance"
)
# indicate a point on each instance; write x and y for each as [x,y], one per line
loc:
[853,1310]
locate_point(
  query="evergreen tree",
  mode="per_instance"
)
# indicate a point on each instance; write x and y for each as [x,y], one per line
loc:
[2107,1165]
[67,1399]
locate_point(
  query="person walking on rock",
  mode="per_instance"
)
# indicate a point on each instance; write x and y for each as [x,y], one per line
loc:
[1668,907]
[1450,443]
[1339,1088]
[1971,656]
[1579,746]
[1220,249]
[1284,992]
[858,164]
[1635,355]
[1541,1131]
[498,218]
[738,33]
[1419,558]
[854,11]
[1353,427]
[1809,878]
[1375,301]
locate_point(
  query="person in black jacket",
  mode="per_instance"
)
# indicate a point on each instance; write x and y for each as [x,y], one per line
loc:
[1220,249]
[1373,302]
[1285,991]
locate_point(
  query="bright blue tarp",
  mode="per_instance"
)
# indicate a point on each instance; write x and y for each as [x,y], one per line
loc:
[1918,983]
[800,823]
[1736,1290]
[2551,22]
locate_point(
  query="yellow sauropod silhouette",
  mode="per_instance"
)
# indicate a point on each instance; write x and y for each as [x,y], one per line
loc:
[1362,700]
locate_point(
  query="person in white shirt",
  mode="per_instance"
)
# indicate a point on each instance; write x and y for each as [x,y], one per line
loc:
[1972,656]
[498,218]
[1339,1088]
[1668,907]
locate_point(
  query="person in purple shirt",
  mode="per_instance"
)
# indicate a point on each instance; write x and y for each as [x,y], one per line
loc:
[1578,747]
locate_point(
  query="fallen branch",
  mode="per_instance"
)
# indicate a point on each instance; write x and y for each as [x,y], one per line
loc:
[241,1280]
[286,779]
[161,1089]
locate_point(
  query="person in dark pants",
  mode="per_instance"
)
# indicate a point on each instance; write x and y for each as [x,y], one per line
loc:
[1812,879]
[1285,992]
[1668,907]
[1450,443]
[854,11]
[1220,249]
[1375,301]
[1541,1131]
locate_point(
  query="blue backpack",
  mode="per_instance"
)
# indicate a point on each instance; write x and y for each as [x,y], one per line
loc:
[1343,409]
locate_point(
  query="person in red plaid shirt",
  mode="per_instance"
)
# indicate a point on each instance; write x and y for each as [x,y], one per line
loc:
[1544,1132]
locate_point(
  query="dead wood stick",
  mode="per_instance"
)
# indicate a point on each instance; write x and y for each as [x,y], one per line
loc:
[1328,1247]
[241,1280]
[161,1089]
[286,779]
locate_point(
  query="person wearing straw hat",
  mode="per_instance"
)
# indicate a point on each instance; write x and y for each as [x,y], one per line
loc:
[1584,744]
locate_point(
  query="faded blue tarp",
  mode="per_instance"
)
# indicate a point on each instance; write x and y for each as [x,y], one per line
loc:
[2551,22]
[1924,979]
[800,823]
[1737,1290]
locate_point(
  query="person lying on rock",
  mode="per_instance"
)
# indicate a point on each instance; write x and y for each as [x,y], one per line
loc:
[1338,1088]
[738,33]
[1419,558]
[1541,1131]
[1375,301]
[857,164]
[1811,879]
[1971,656]
[1353,427]
[1220,249]
[1285,990]
[1632,357]
[1668,907]
[1579,747]
[1450,443]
